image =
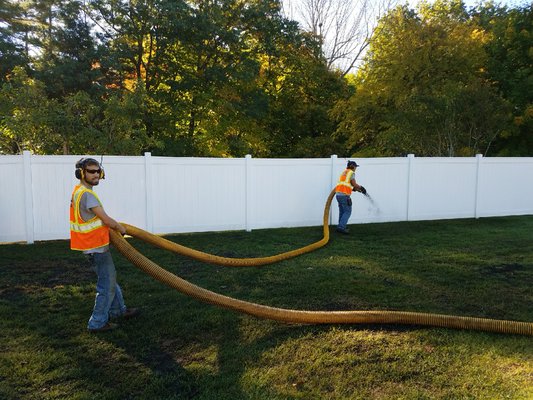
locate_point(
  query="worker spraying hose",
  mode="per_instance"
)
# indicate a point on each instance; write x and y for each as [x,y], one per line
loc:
[343,191]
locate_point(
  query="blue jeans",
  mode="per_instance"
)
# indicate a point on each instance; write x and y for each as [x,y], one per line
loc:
[109,300]
[345,210]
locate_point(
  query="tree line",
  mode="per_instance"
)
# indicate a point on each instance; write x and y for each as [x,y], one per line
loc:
[235,77]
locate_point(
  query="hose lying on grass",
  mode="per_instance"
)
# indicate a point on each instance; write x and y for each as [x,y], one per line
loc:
[231,262]
[288,315]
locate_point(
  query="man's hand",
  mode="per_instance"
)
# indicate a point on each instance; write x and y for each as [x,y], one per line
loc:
[362,190]
[107,220]
[121,229]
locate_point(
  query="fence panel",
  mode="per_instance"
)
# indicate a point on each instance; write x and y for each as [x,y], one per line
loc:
[52,183]
[386,180]
[12,210]
[505,187]
[443,188]
[289,192]
[198,194]
[123,192]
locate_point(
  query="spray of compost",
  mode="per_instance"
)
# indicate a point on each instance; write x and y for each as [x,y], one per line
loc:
[374,207]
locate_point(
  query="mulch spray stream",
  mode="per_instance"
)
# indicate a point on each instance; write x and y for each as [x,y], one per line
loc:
[374,208]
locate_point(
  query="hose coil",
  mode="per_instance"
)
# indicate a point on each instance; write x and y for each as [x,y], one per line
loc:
[289,315]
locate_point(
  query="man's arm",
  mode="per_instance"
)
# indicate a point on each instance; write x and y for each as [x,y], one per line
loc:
[356,187]
[107,220]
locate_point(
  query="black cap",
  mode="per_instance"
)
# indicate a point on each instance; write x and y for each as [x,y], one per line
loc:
[352,164]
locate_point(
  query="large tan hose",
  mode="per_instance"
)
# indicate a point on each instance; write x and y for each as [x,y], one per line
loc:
[298,316]
[232,262]
[314,317]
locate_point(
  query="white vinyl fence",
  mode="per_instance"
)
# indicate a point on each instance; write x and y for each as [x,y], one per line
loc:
[173,195]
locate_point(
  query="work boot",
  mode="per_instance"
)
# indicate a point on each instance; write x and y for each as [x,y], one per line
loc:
[343,231]
[130,313]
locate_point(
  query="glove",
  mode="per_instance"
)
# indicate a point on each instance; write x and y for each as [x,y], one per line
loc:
[362,190]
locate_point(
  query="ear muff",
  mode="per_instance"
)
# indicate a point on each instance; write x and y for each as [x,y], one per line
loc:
[80,165]
[79,173]
[102,173]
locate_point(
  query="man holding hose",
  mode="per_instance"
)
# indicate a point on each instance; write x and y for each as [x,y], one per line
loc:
[343,191]
[89,232]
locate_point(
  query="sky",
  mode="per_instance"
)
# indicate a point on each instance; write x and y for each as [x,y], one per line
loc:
[469,3]
[295,5]
[472,3]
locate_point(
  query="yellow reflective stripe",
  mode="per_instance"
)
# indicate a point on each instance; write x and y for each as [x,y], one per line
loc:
[77,198]
[73,202]
[347,179]
[86,227]
[78,193]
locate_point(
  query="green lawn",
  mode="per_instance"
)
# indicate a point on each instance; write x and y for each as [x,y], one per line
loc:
[180,348]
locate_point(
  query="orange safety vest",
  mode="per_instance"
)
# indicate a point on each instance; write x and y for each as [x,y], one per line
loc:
[344,185]
[85,235]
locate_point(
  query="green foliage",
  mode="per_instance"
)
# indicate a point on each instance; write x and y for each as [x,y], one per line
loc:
[122,127]
[301,92]
[229,78]
[24,111]
[423,88]
[510,65]
[12,52]
[76,124]
[68,59]
[215,76]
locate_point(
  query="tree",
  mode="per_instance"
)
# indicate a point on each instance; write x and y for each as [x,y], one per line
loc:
[414,91]
[510,67]
[300,99]
[181,78]
[69,59]
[343,28]
[12,50]
[24,110]
[197,64]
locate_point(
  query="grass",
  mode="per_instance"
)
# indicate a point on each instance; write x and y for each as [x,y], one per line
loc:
[182,349]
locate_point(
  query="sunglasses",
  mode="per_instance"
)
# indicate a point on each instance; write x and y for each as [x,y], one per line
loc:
[93,171]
